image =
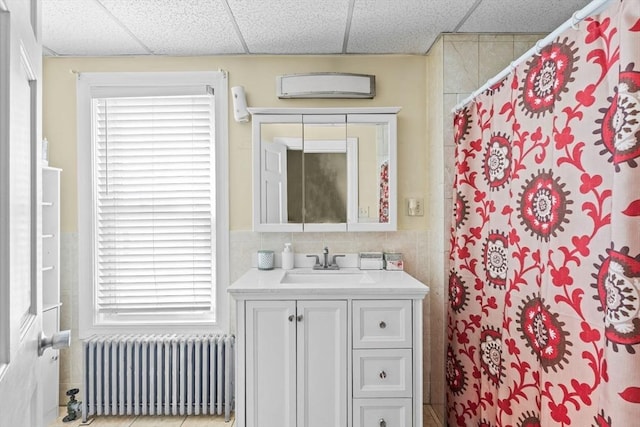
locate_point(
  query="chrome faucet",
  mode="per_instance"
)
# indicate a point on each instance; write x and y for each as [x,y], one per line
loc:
[326,265]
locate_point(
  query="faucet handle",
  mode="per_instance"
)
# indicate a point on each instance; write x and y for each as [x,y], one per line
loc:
[334,259]
[316,257]
[325,250]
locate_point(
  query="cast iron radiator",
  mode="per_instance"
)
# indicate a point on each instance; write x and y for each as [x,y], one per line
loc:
[158,375]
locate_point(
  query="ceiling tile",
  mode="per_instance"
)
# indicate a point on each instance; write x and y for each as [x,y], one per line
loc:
[184,27]
[521,16]
[409,26]
[292,26]
[72,27]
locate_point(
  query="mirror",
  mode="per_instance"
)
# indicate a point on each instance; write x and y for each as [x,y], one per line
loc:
[324,172]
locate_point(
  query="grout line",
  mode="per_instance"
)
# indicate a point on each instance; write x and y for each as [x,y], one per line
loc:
[236,27]
[347,29]
[124,27]
[467,15]
[435,416]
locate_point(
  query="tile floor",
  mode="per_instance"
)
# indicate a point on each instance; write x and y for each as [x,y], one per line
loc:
[430,420]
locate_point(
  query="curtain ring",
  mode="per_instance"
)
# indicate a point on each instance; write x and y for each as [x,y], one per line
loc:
[575,21]
[539,47]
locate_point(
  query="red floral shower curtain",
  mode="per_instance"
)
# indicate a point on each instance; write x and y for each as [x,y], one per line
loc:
[543,320]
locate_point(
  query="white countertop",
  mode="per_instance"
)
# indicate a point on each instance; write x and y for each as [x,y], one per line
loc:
[266,284]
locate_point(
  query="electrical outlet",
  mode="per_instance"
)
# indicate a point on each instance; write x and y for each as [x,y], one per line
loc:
[363,212]
[415,206]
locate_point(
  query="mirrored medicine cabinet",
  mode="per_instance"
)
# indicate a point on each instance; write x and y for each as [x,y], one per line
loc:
[324,169]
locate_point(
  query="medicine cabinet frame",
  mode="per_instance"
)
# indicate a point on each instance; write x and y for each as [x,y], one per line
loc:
[386,116]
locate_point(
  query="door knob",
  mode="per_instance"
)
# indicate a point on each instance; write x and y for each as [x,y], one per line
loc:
[383,325]
[299,318]
[291,317]
[57,341]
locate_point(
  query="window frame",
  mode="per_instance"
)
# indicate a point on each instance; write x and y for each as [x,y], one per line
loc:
[5,226]
[87,84]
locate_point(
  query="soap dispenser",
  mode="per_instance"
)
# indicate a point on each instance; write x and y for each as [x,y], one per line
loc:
[287,257]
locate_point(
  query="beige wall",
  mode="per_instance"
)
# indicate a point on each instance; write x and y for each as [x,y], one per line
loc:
[400,81]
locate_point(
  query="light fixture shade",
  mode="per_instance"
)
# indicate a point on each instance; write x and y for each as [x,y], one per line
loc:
[326,85]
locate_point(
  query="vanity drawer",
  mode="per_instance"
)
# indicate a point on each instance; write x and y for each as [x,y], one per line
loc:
[382,373]
[382,413]
[382,324]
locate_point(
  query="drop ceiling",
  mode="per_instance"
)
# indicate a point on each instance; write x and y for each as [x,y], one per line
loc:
[237,27]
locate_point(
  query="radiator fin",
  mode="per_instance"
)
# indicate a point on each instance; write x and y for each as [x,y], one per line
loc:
[158,375]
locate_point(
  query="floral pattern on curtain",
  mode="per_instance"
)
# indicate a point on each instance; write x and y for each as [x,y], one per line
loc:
[383,203]
[543,321]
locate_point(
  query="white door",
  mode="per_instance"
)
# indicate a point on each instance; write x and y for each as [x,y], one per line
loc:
[270,364]
[322,363]
[20,280]
[274,183]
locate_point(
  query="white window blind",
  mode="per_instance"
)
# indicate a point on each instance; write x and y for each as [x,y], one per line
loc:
[155,216]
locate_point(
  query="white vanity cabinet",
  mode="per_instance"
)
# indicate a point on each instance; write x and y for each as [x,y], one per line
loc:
[329,355]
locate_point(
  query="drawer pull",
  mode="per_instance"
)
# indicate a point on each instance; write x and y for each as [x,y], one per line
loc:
[383,325]
[382,422]
[383,374]
[299,318]
[291,317]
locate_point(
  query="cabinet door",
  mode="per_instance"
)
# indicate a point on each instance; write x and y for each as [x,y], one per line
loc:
[324,169]
[322,363]
[270,363]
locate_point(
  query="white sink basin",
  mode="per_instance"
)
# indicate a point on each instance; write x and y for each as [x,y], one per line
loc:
[319,277]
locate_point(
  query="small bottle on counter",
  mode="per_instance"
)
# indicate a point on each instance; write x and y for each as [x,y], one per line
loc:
[287,257]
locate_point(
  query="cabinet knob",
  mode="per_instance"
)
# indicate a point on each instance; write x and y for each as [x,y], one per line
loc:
[383,325]
[383,375]
[382,422]
[299,318]
[291,317]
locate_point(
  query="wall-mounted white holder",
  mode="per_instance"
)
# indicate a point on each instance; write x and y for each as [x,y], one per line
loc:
[57,341]
[240,112]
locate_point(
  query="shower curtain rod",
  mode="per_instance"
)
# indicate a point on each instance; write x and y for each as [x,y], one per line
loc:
[594,7]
